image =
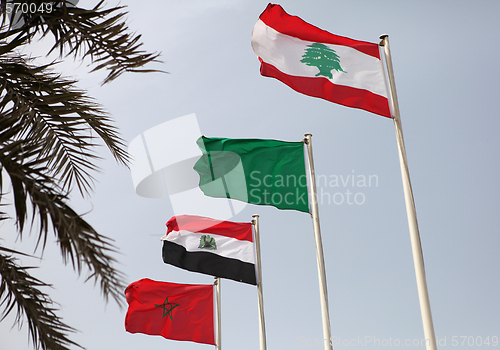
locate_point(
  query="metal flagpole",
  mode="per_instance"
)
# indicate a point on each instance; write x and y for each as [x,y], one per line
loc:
[217,289]
[319,249]
[262,325]
[418,259]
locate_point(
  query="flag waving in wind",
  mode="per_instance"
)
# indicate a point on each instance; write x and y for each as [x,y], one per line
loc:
[257,171]
[213,247]
[320,64]
[174,311]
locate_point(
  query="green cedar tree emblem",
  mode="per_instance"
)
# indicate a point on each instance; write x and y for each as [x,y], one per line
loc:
[324,58]
[207,242]
[167,308]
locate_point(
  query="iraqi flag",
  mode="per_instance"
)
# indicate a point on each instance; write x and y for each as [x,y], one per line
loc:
[320,64]
[174,311]
[219,248]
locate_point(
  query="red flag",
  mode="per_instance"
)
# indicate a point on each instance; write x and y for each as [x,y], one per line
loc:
[174,311]
[320,64]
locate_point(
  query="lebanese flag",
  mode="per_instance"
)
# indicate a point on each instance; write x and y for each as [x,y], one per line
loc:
[174,311]
[320,64]
[219,248]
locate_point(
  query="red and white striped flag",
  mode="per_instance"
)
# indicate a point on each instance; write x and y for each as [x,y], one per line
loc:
[320,64]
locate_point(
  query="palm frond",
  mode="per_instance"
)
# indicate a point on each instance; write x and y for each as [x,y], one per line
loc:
[49,131]
[21,291]
[99,34]
[80,244]
[50,108]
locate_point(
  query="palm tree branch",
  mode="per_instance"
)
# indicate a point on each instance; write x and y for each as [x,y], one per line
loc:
[77,239]
[51,108]
[100,34]
[21,291]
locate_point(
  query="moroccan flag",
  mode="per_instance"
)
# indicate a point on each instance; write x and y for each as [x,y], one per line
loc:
[219,248]
[257,171]
[320,64]
[174,311]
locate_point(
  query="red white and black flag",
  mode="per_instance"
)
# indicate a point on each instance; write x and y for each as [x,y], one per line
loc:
[219,248]
[174,311]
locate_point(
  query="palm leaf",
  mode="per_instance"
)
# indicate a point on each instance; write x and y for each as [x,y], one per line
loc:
[21,291]
[80,244]
[52,109]
[49,131]
[99,34]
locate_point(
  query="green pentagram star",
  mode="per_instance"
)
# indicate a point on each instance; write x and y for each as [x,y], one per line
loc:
[167,311]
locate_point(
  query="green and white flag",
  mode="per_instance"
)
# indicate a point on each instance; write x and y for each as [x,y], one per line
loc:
[257,171]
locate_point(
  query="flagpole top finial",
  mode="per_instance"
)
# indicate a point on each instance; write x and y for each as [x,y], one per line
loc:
[308,134]
[383,37]
[255,215]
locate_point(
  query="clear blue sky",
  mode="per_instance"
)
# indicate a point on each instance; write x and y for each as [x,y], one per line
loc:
[445,56]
